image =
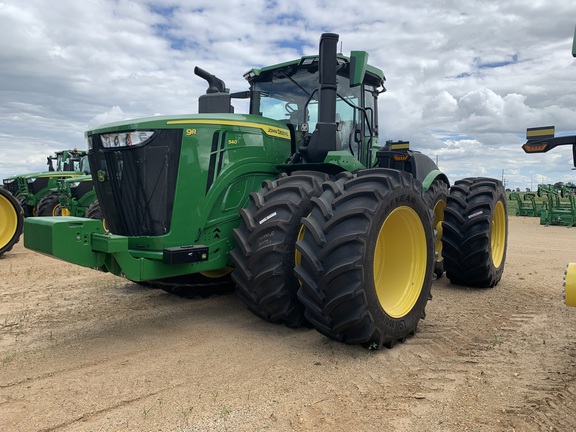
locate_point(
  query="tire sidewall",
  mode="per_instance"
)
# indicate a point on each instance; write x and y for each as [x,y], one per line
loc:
[499,196]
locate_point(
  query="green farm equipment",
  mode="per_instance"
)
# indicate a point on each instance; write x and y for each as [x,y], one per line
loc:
[541,140]
[11,220]
[555,211]
[77,195]
[526,204]
[559,207]
[296,203]
[71,197]
[29,189]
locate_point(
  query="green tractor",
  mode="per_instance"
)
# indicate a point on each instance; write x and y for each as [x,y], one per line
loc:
[72,196]
[29,189]
[296,203]
[12,220]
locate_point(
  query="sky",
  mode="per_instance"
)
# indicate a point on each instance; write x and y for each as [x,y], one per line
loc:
[464,78]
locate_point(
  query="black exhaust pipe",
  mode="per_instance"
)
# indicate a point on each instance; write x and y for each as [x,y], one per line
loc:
[216,99]
[215,84]
[325,137]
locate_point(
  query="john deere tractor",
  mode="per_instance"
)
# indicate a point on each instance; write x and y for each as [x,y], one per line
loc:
[72,196]
[30,188]
[11,220]
[296,203]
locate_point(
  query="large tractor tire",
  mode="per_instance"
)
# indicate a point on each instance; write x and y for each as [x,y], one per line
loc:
[265,256]
[367,258]
[11,221]
[94,211]
[436,196]
[27,209]
[49,206]
[475,232]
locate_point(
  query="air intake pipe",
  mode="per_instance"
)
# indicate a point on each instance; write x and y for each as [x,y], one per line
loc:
[325,137]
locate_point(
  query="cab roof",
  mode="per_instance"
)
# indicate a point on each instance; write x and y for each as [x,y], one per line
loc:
[374,75]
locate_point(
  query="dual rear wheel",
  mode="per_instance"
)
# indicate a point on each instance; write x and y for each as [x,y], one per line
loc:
[354,256]
[361,246]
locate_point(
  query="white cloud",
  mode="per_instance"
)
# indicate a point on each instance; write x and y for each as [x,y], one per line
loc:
[464,79]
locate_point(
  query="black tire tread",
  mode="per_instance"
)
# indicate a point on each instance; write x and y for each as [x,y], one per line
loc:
[94,211]
[264,256]
[467,232]
[27,209]
[336,289]
[47,205]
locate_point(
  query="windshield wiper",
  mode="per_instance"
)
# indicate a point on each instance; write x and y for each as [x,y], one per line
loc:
[295,82]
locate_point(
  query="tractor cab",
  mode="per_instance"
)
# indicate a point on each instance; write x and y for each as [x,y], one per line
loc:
[68,160]
[289,92]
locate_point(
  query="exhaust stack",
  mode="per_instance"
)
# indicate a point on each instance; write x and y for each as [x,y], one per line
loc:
[325,137]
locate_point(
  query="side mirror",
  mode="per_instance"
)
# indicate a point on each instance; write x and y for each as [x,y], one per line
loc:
[358,64]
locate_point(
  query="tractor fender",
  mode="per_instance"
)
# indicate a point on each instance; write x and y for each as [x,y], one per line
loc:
[433,175]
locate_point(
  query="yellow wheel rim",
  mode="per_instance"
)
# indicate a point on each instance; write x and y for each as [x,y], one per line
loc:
[55,210]
[498,234]
[65,212]
[438,218]
[400,259]
[9,218]
[216,274]
[570,285]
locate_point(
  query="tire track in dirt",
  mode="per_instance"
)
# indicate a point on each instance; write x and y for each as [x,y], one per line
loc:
[122,357]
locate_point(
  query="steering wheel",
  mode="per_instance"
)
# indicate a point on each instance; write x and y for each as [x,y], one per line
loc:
[290,107]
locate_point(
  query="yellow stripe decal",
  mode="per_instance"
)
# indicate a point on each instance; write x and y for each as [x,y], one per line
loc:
[268,130]
[546,132]
[400,146]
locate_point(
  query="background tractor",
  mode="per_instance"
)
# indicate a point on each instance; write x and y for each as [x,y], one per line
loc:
[73,196]
[296,203]
[11,220]
[29,189]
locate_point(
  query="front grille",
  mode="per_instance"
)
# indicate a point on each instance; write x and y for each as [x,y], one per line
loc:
[37,185]
[12,187]
[79,191]
[136,185]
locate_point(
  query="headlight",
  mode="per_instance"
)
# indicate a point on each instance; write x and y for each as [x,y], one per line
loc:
[74,185]
[31,180]
[8,181]
[125,139]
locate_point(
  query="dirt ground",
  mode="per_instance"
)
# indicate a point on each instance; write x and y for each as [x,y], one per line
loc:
[86,351]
